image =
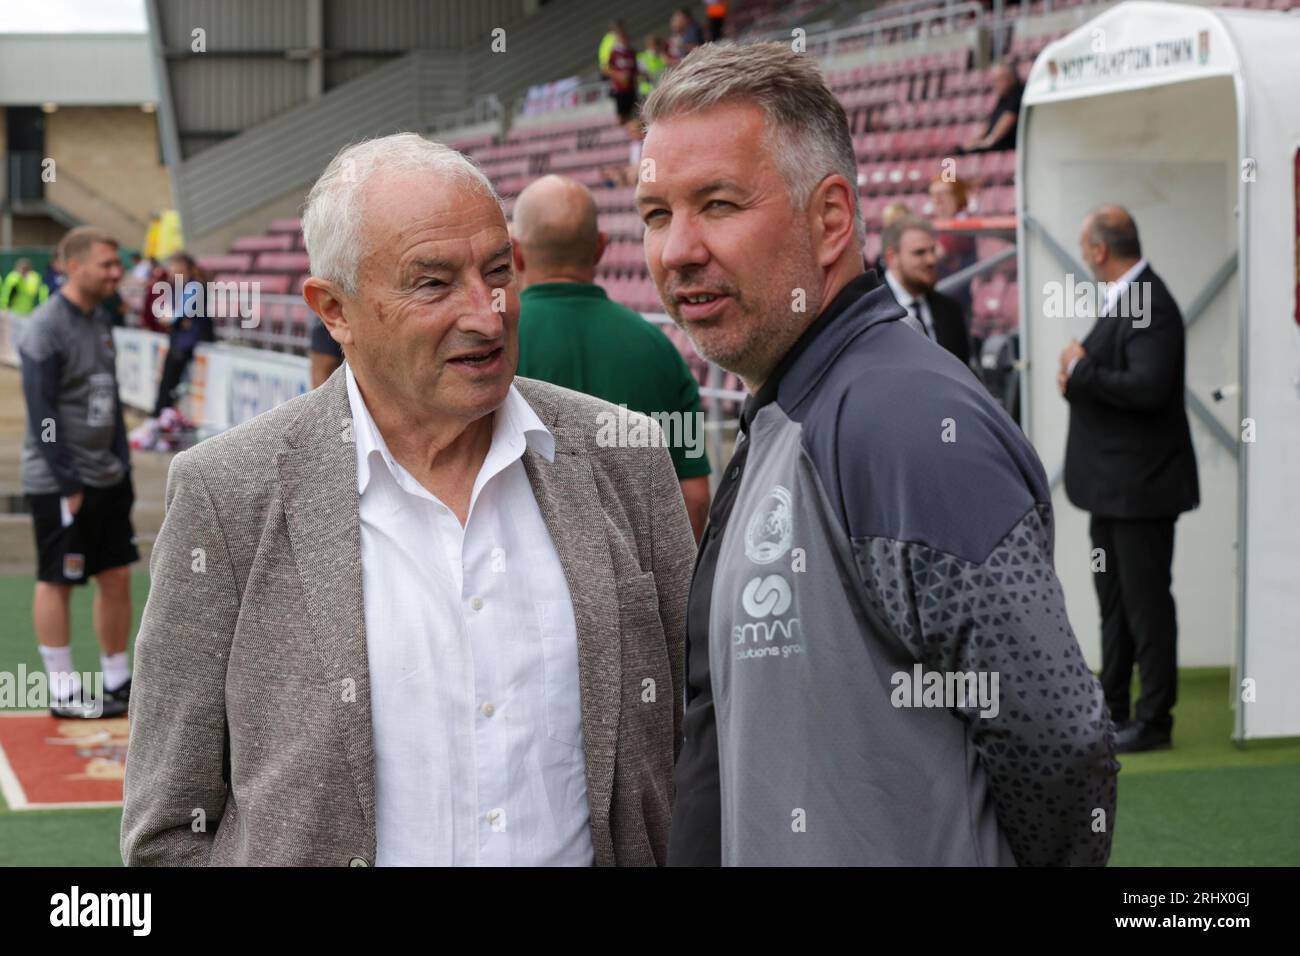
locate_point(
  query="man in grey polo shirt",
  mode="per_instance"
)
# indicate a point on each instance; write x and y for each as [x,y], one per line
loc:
[76,474]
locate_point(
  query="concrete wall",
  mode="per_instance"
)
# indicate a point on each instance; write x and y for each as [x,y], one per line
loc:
[108,168]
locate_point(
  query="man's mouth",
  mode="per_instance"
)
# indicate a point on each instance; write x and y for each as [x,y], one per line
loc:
[698,304]
[477,359]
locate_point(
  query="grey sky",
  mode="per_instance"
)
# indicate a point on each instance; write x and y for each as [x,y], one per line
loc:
[72,16]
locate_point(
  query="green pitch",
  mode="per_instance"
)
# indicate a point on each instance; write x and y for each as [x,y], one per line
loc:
[1205,803]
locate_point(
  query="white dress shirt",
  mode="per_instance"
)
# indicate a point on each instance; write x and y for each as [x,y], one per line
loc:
[1113,292]
[473,661]
[916,307]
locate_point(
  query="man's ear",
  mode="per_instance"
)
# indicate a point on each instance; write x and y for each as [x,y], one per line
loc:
[831,205]
[517,256]
[602,243]
[327,302]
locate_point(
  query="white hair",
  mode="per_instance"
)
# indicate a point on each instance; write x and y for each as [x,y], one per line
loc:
[332,215]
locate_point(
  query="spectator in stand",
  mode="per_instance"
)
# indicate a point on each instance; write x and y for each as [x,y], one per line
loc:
[155,288]
[53,277]
[956,250]
[893,212]
[23,289]
[626,175]
[618,66]
[911,254]
[186,309]
[571,334]
[324,353]
[1001,132]
[684,35]
[76,474]
[651,63]
[717,14]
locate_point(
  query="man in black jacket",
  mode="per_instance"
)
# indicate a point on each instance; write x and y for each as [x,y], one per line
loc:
[1129,463]
[911,261]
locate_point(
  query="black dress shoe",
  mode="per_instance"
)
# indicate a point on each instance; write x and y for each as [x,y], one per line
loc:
[88,708]
[1138,738]
[123,693]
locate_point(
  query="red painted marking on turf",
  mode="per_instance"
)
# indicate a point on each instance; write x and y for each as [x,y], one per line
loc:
[59,763]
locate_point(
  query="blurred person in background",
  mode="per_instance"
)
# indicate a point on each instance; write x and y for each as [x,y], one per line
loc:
[571,334]
[76,474]
[684,34]
[911,257]
[893,212]
[1001,130]
[23,290]
[1130,463]
[618,65]
[717,16]
[950,199]
[651,63]
[324,354]
[185,310]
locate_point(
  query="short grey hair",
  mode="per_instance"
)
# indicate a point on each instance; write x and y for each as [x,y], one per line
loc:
[807,133]
[332,216]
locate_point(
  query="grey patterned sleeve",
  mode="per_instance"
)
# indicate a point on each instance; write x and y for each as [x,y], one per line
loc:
[1048,749]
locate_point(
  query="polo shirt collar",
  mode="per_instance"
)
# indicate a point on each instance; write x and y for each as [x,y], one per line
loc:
[560,290]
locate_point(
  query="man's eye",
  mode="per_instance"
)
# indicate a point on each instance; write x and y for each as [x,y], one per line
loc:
[717,202]
[502,269]
[652,213]
[433,283]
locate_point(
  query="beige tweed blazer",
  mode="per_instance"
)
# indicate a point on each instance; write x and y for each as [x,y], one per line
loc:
[250,727]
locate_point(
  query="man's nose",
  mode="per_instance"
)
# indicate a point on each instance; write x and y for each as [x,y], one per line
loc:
[683,245]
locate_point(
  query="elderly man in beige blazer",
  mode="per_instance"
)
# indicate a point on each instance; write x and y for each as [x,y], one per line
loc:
[428,614]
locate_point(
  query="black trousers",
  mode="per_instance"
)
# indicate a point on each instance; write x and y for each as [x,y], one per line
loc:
[174,366]
[1138,620]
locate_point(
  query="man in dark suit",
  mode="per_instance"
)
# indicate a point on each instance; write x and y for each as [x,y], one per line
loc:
[911,270]
[1129,463]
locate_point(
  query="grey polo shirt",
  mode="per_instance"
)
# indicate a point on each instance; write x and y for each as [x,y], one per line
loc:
[75,432]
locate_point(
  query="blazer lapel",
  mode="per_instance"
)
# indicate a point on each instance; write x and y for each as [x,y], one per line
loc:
[318,479]
[565,490]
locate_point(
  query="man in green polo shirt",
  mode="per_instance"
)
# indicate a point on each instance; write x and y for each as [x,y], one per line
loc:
[571,334]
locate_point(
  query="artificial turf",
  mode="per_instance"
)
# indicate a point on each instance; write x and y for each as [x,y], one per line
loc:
[1207,802]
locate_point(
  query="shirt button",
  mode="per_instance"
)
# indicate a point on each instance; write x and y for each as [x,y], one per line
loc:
[476,603]
[735,473]
[488,710]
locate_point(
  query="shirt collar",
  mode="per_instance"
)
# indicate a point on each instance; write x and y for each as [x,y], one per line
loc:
[1116,288]
[560,290]
[904,297]
[514,427]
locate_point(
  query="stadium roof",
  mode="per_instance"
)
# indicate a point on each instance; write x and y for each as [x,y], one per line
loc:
[76,69]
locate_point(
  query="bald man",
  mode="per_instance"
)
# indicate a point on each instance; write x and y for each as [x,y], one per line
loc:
[1129,463]
[571,334]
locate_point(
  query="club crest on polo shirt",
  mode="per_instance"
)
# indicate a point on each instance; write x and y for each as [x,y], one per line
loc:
[770,528]
[74,566]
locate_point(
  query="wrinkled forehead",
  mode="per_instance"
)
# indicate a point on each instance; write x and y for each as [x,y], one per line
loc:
[399,209]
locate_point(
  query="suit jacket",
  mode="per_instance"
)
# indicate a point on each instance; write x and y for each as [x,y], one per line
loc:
[251,738]
[1129,450]
[949,325]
